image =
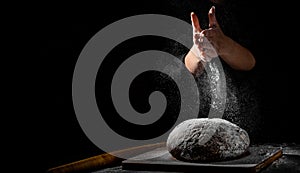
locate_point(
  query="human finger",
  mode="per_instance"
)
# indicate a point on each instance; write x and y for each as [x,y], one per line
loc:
[213,23]
[195,22]
[210,32]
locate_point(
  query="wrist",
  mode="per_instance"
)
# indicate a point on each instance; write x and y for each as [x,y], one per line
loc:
[193,63]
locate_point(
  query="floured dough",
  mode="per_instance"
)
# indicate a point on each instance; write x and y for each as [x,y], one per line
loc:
[205,139]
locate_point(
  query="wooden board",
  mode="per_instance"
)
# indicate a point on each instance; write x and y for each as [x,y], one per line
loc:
[160,159]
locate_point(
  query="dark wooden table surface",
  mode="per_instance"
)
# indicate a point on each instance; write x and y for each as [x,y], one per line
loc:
[288,163]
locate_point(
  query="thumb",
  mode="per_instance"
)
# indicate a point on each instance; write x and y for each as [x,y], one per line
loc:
[195,22]
[212,18]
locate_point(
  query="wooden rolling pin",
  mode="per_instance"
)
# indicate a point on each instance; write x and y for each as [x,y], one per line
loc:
[104,160]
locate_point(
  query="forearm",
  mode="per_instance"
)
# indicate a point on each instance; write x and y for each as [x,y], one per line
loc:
[236,56]
[193,63]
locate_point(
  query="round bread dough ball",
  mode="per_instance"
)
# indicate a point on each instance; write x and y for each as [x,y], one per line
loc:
[207,139]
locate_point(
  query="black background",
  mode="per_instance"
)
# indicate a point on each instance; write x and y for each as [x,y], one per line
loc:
[62,30]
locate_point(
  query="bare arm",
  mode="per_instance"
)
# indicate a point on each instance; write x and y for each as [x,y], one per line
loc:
[235,55]
[194,64]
